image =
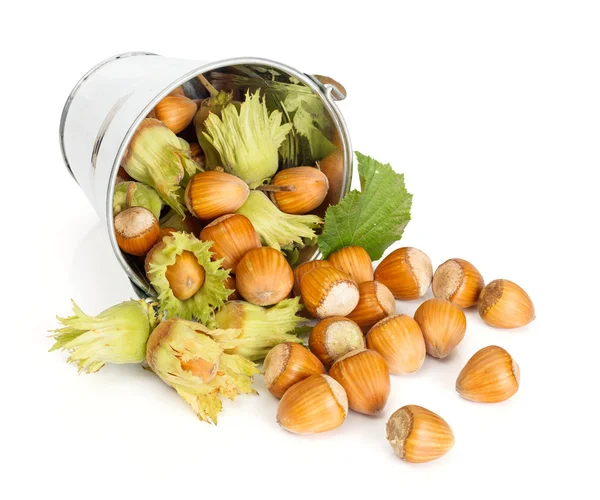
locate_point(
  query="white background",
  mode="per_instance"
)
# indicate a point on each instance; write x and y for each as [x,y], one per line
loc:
[491,109]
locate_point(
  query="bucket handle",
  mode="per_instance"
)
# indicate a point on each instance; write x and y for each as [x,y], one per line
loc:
[336,89]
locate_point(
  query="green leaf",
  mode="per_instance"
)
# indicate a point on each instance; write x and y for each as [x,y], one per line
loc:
[372,218]
[305,123]
[309,122]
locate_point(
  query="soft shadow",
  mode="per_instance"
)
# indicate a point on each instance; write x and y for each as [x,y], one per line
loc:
[96,276]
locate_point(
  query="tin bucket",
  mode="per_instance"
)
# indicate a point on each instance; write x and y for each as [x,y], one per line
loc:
[108,104]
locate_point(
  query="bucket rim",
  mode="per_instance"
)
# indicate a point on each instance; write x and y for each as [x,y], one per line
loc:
[67,106]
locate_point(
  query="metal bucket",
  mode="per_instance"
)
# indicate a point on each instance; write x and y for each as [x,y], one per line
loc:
[108,104]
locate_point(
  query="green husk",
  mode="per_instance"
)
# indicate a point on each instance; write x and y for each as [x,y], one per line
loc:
[189,172]
[276,228]
[178,341]
[292,256]
[117,335]
[188,223]
[212,105]
[135,194]
[248,140]
[157,157]
[252,331]
[211,295]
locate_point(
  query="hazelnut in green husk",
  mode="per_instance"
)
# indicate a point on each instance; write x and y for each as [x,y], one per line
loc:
[117,335]
[157,157]
[186,358]
[188,283]
[275,228]
[252,331]
[211,105]
[135,194]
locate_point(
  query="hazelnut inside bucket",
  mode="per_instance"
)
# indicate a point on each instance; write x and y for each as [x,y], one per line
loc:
[106,107]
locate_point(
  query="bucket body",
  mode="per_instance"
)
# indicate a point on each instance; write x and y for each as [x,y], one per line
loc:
[108,104]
